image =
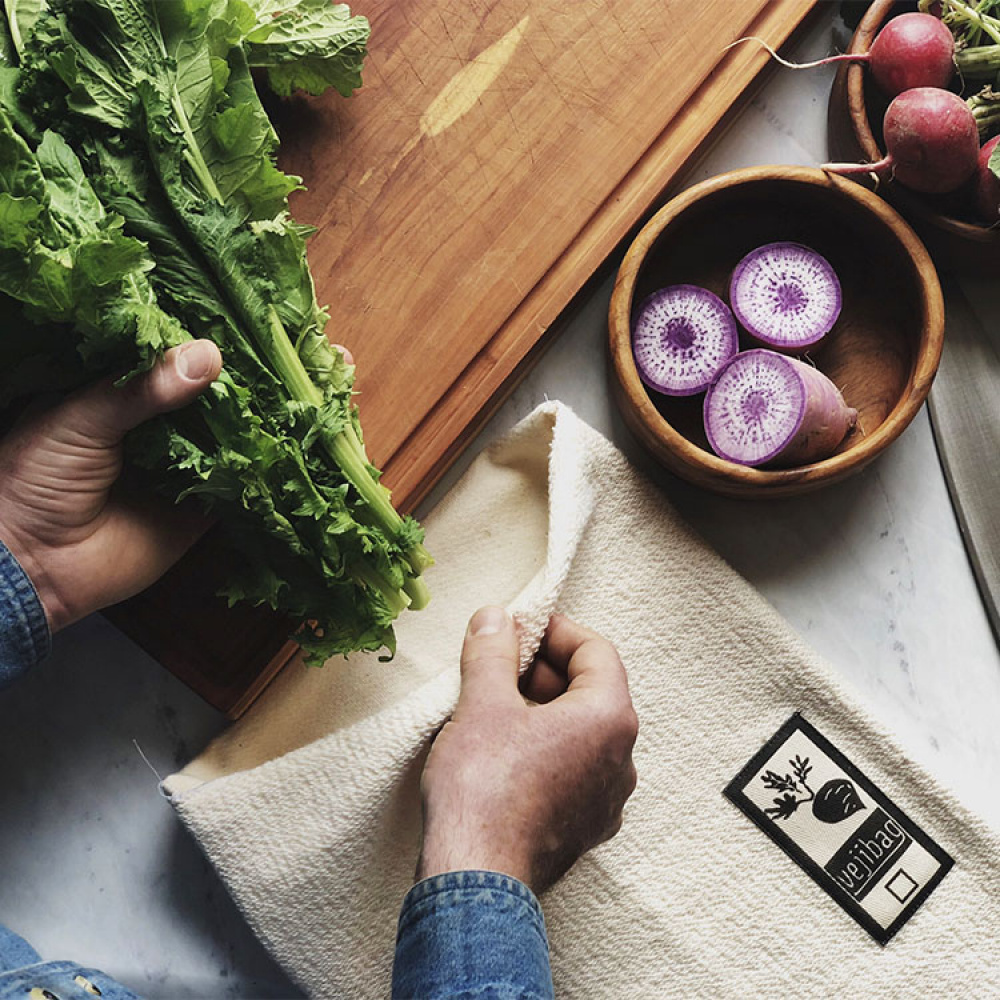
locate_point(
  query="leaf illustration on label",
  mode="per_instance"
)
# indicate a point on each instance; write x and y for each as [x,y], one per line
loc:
[787,803]
[836,800]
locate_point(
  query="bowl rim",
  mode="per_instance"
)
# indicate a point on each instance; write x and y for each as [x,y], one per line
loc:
[720,471]
[861,41]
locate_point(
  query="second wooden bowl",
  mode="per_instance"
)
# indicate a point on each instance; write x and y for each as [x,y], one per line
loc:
[883,352]
[945,222]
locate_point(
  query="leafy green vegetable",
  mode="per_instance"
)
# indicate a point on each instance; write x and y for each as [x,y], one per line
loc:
[140,203]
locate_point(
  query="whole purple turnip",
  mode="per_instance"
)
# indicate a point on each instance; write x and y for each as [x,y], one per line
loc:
[768,409]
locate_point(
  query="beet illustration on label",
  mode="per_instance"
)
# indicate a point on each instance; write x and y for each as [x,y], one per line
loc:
[835,801]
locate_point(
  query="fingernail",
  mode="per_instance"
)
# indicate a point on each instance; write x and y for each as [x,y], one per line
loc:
[348,357]
[195,360]
[489,621]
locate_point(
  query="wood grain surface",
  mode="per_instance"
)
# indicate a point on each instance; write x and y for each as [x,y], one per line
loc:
[497,154]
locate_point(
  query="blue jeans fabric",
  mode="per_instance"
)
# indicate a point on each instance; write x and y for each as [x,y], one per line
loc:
[25,976]
[469,934]
[473,935]
[24,629]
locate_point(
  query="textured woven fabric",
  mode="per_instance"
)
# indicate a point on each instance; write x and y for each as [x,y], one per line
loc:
[309,807]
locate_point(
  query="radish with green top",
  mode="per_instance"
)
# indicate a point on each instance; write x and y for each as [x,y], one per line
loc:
[681,338]
[786,296]
[766,408]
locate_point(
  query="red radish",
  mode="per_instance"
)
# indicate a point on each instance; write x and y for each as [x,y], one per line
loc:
[765,408]
[681,337]
[785,296]
[912,50]
[987,185]
[931,139]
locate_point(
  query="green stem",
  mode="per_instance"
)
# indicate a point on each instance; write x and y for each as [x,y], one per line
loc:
[418,557]
[990,25]
[417,591]
[193,152]
[345,447]
[288,364]
[987,114]
[979,63]
[396,599]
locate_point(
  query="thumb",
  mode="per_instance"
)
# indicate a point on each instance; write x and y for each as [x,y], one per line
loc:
[106,412]
[489,660]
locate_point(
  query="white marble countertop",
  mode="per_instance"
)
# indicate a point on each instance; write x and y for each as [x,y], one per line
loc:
[872,572]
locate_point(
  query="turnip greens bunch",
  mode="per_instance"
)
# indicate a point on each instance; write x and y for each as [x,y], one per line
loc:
[140,206]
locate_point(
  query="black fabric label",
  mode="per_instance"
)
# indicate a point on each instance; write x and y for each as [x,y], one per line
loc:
[837,826]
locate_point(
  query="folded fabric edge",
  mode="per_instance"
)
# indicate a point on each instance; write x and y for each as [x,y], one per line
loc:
[535,603]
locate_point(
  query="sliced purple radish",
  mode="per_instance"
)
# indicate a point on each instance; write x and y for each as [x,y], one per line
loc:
[785,296]
[681,337]
[768,408]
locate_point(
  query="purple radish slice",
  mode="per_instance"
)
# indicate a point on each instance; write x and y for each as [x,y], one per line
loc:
[681,337]
[785,296]
[768,408]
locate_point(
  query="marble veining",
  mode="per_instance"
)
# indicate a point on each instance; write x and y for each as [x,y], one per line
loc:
[871,572]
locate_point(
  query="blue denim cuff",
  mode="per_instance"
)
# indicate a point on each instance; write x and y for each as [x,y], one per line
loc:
[62,980]
[23,974]
[24,630]
[475,935]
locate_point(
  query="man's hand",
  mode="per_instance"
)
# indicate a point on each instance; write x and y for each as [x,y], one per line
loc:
[83,546]
[525,788]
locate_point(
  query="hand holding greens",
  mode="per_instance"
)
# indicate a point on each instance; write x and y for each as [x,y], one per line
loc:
[140,205]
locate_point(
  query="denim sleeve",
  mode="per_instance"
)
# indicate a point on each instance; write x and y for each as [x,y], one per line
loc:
[471,934]
[24,629]
[24,976]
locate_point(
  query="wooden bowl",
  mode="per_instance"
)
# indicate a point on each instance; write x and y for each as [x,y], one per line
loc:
[882,353]
[945,222]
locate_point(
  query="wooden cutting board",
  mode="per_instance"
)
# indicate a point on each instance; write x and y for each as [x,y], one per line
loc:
[497,154]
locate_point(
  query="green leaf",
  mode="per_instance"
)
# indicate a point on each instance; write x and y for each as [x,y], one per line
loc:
[8,53]
[17,218]
[241,162]
[67,261]
[20,21]
[72,201]
[308,45]
[89,85]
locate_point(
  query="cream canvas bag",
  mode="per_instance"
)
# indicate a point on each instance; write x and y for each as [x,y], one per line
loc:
[309,806]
